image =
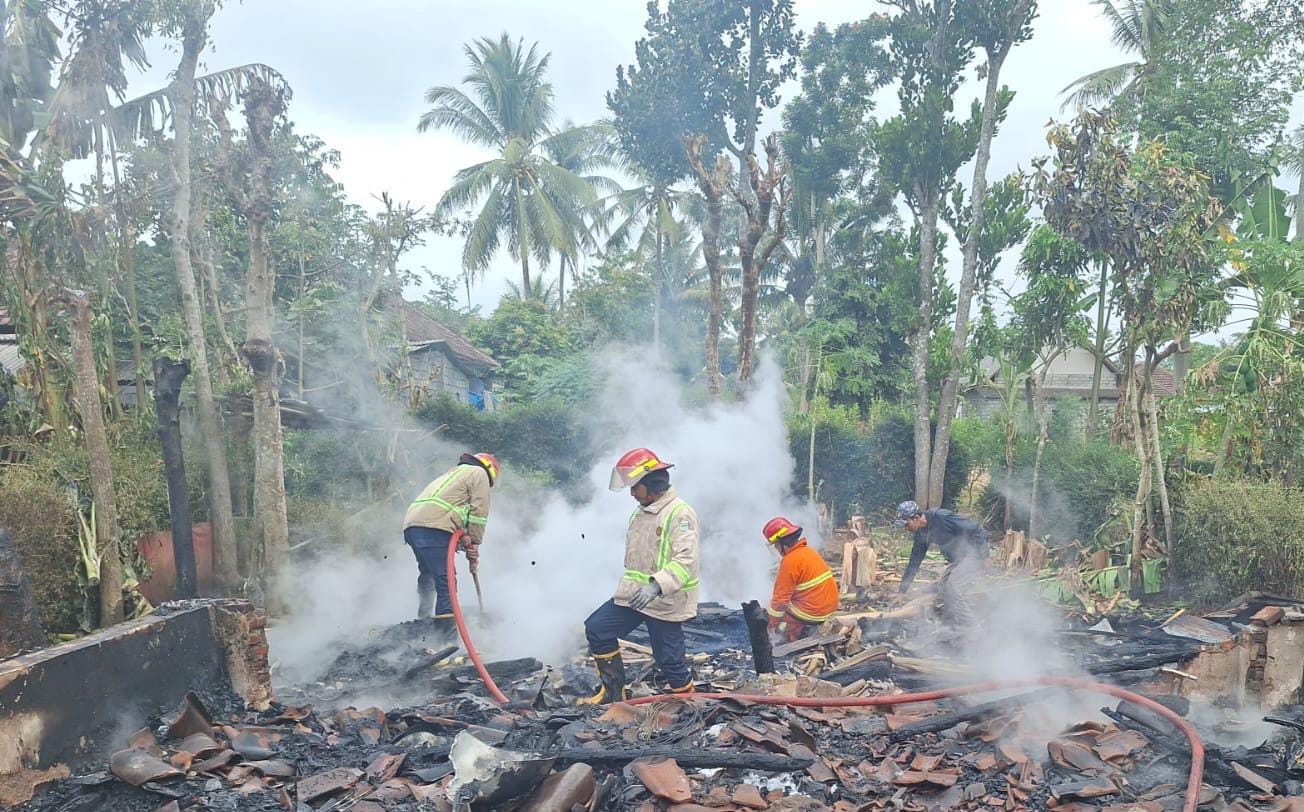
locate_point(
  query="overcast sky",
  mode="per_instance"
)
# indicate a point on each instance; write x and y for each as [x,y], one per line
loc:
[359,73]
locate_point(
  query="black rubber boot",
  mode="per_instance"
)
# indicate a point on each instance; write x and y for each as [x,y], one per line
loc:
[425,596]
[446,627]
[611,670]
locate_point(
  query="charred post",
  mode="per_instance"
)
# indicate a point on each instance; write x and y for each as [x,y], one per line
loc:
[758,632]
[168,376]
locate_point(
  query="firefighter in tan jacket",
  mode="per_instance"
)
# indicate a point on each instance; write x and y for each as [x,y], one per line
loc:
[659,587]
[458,500]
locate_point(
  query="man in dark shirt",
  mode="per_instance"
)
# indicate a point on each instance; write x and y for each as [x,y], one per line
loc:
[964,545]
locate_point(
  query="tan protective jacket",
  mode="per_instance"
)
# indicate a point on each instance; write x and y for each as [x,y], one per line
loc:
[661,545]
[458,500]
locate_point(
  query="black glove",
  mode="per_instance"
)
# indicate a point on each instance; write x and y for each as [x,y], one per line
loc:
[645,595]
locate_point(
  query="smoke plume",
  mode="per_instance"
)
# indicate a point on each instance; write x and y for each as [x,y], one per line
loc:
[547,563]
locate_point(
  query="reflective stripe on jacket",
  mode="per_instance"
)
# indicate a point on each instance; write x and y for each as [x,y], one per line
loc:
[458,500]
[805,587]
[661,545]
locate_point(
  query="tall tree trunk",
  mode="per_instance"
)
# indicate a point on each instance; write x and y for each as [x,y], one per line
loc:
[949,397]
[1141,503]
[523,242]
[262,106]
[756,207]
[127,268]
[86,394]
[1157,453]
[711,184]
[1043,434]
[814,413]
[1182,363]
[658,287]
[106,286]
[303,290]
[168,376]
[919,345]
[1098,361]
[1299,209]
[20,619]
[561,282]
[1122,413]
[1010,434]
[225,556]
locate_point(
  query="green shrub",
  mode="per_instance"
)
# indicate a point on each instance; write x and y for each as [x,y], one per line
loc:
[1237,537]
[1082,481]
[39,515]
[544,436]
[866,467]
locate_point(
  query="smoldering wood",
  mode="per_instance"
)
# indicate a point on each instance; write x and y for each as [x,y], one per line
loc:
[1216,765]
[1146,657]
[694,758]
[428,663]
[946,721]
[758,633]
[168,377]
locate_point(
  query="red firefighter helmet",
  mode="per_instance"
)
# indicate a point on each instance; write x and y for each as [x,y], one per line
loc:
[779,528]
[489,462]
[635,465]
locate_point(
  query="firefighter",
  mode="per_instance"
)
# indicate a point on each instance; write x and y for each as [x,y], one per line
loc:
[962,543]
[659,587]
[805,594]
[457,500]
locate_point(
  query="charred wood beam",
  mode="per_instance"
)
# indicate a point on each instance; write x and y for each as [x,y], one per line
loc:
[946,721]
[758,633]
[1154,659]
[429,662]
[695,758]
[168,376]
[502,669]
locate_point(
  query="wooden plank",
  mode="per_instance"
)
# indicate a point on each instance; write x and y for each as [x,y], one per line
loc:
[866,566]
[848,573]
[789,649]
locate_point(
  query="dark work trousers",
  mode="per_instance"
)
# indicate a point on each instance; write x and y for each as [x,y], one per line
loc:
[430,546]
[610,622]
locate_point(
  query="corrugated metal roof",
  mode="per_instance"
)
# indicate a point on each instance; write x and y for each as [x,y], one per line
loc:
[11,360]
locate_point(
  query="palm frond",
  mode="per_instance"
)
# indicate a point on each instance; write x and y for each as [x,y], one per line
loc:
[483,239]
[469,184]
[1100,87]
[149,115]
[454,110]
[1125,22]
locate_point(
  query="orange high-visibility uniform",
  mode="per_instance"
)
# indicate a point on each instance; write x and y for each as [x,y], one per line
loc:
[805,589]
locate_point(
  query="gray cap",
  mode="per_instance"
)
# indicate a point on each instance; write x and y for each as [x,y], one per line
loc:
[906,511]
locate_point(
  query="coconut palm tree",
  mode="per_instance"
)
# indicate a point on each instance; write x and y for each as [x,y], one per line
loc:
[1139,28]
[649,218]
[590,152]
[525,199]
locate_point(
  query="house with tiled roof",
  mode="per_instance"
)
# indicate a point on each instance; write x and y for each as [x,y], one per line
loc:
[443,362]
[1069,376]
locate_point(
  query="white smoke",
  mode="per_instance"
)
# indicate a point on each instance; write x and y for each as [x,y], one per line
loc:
[547,563]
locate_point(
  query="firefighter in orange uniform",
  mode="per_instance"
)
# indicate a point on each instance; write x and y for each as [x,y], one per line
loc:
[805,594]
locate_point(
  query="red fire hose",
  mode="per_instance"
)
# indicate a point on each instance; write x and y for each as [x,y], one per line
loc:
[494,692]
[1194,778]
